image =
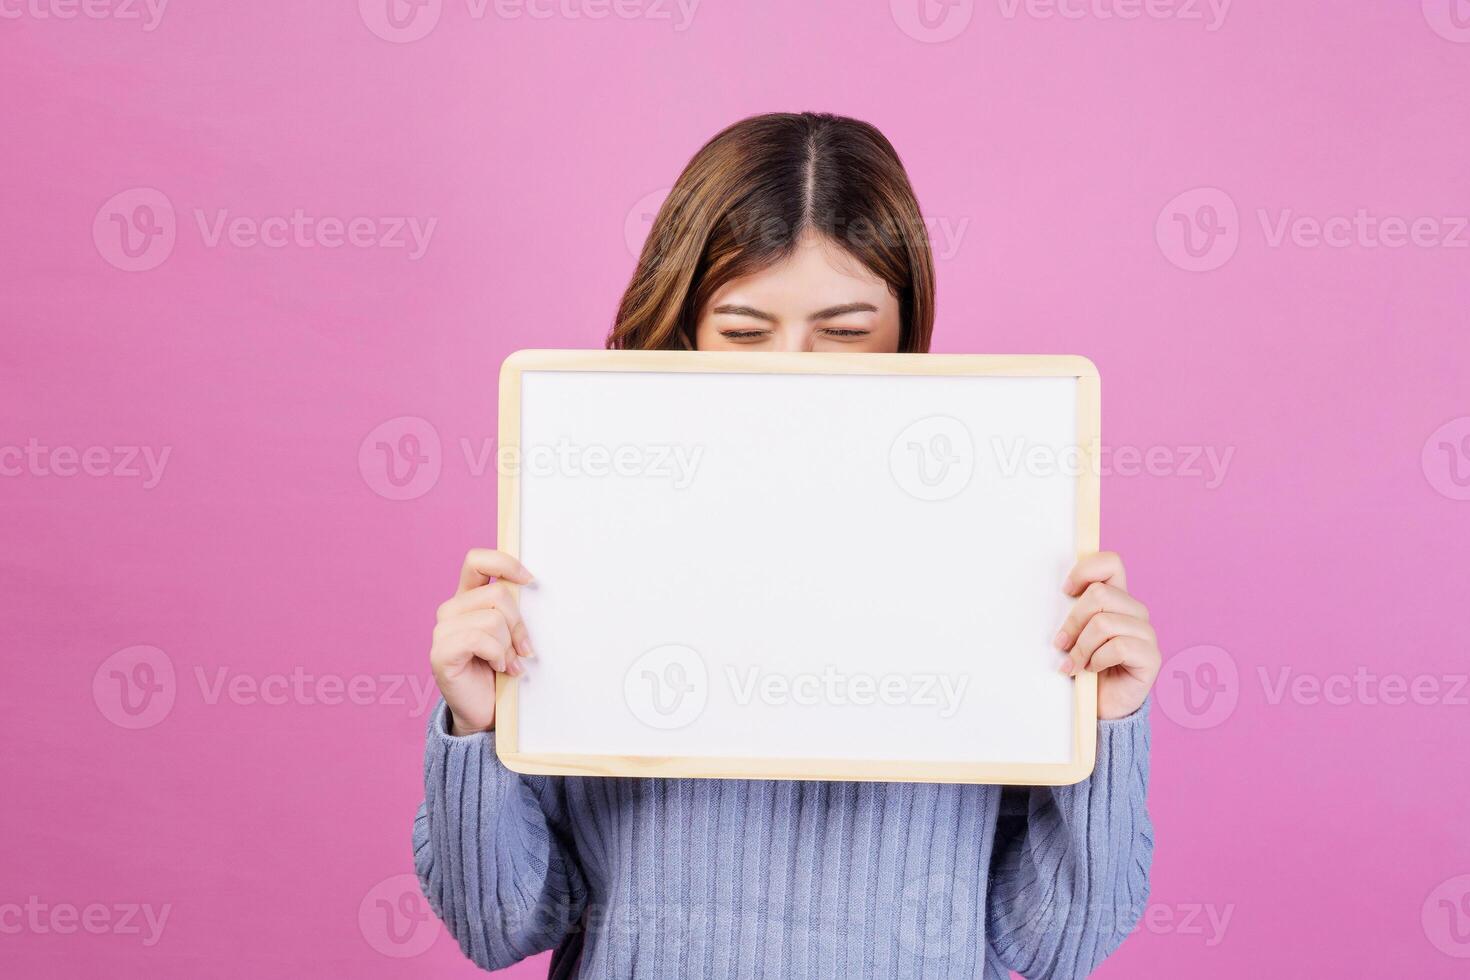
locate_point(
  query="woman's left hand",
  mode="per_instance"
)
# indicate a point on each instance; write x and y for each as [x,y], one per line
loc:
[1107,632]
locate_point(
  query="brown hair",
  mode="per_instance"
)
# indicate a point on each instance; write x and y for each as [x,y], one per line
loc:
[743,203]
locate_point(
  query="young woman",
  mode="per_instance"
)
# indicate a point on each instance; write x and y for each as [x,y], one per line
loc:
[791,233]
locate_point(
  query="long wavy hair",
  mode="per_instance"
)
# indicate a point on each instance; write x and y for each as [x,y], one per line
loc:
[745,201]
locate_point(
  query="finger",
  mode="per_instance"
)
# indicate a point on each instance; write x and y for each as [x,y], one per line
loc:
[496,595]
[471,619]
[504,620]
[1120,651]
[522,640]
[492,648]
[1102,566]
[1099,629]
[1097,597]
[506,605]
[491,621]
[482,565]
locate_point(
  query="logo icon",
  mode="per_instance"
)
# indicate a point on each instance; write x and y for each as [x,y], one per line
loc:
[1446,459]
[667,687]
[400,21]
[1446,917]
[401,458]
[640,219]
[395,919]
[932,21]
[934,917]
[135,230]
[934,458]
[1450,19]
[135,687]
[1199,230]
[1199,687]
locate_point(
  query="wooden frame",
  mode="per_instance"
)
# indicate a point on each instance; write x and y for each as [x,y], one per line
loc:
[1087,535]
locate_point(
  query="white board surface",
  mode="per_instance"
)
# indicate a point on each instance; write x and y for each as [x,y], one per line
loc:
[852,567]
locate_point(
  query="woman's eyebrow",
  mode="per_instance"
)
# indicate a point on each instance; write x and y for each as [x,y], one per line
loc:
[744,311]
[833,312]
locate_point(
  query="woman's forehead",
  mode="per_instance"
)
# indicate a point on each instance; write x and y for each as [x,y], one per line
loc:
[818,272]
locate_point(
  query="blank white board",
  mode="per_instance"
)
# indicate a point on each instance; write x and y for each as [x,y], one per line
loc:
[816,566]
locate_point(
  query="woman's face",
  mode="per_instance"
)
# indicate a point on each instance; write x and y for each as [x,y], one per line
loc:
[820,298]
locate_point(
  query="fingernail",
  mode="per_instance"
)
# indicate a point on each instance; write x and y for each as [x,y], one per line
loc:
[1060,641]
[511,667]
[1066,668]
[526,643]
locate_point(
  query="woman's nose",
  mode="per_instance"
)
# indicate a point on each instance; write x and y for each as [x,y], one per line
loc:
[797,339]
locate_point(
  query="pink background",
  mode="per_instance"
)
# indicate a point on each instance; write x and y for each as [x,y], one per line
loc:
[1332,835]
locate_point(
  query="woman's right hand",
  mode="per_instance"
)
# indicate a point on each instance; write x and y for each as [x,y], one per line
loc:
[479,633]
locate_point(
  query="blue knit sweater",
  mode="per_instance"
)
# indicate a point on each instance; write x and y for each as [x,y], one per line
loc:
[678,879]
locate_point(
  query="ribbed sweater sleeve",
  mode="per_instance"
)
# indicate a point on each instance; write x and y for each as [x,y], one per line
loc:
[492,852]
[1069,873]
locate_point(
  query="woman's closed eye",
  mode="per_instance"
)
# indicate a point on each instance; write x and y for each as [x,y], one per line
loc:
[744,334]
[751,335]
